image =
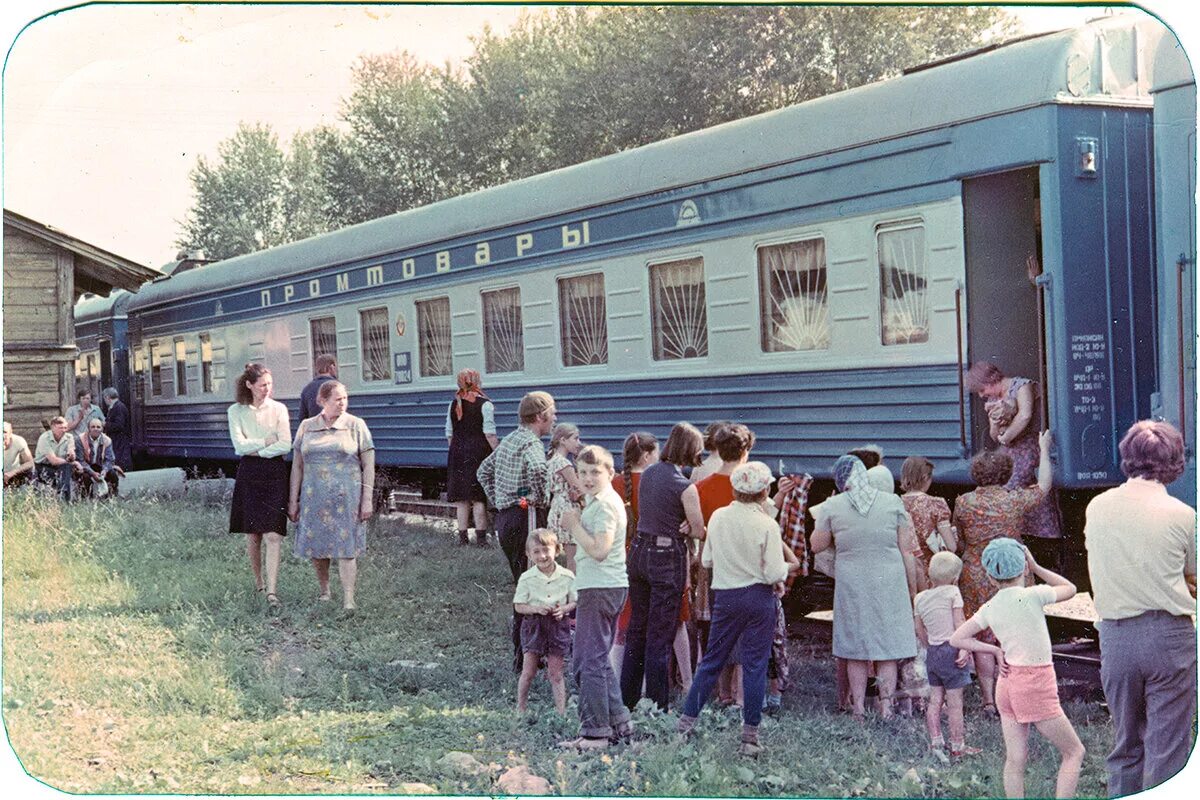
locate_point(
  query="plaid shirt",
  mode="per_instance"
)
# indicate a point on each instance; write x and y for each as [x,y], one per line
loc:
[791,520]
[514,469]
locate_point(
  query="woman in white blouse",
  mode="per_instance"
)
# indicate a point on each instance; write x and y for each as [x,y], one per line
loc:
[261,434]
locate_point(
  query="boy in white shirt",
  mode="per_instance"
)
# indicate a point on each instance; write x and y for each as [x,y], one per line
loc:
[545,597]
[1027,689]
[938,612]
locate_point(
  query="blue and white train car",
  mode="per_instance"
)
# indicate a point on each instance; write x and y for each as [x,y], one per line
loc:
[102,336]
[821,273]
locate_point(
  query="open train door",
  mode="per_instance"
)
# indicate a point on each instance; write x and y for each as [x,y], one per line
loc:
[1003,246]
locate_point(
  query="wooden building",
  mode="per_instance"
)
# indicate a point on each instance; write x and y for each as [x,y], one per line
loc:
[45,272]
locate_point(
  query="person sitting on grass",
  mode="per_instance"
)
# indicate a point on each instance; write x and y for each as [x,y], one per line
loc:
[745,550]
[938,613]
[1027,689]
[545,597]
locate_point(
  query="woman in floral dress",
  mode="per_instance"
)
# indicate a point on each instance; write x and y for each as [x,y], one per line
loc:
[928,514]
[333,478]
[989,512]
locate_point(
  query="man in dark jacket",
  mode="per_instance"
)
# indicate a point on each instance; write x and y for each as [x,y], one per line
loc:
[117,427]
[327,370]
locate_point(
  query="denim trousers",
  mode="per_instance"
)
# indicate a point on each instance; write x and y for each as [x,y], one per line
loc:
[60,477]
[512,529]
[657,576]
[746,616]
[601,712]
[1148,670]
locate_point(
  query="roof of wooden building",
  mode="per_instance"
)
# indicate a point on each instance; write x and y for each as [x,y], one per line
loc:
[96,270]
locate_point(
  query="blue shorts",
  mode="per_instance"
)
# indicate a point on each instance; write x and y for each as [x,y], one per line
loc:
[939,663]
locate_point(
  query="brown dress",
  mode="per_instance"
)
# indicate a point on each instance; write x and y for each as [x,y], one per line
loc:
[987,513]
[927,513]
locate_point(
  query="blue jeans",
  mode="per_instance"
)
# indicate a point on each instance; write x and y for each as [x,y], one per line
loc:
[746,615]
[657,576]
[1148,669]
[601,713]
[60,477]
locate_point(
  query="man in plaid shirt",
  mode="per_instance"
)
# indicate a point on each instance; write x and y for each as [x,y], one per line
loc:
[515,472]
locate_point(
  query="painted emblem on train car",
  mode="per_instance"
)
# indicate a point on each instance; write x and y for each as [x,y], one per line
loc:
[688,214]
[401,324]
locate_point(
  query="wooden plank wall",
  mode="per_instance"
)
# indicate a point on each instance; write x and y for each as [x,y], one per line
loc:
[39,331]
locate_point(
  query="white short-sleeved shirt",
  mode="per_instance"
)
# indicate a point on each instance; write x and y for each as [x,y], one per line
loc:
[535,587]
[935,607]
[743,547]
[1141,542]
[1017,616]
[12,453]
[603,512]
[46,445]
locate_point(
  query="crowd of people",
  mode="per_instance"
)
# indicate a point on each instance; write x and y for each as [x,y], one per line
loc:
[675,565]
[83,454]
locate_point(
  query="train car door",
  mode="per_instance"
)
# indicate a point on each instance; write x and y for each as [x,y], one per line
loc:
[1002,233]
[106,366]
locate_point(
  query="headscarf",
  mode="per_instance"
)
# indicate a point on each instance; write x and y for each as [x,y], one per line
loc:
[1003,558]
[469,388]
[751,478]
[850,477]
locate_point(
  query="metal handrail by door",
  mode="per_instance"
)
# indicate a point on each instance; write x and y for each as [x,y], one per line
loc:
[962,391]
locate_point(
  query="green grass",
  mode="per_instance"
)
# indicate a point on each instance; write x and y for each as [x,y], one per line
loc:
[138,659]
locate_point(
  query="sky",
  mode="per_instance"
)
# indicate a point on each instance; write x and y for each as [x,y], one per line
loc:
[106,108]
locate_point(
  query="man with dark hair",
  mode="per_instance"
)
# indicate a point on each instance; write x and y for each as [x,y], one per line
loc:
[79,415]
[1141,546]
[327,370]
[514,479]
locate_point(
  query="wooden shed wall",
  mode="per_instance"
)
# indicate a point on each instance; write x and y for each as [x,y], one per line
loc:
[39,331]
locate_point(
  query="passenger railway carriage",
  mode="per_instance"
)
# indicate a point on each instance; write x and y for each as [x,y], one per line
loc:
[821,273]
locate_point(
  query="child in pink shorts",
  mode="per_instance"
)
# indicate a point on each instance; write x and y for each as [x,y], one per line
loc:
[1027,689]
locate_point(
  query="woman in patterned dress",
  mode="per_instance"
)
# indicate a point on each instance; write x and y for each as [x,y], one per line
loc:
[563,483]
[928,514]
[333,478]
[1012,404]
[991,511]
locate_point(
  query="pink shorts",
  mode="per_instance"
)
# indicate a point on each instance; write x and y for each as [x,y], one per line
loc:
[1028,694]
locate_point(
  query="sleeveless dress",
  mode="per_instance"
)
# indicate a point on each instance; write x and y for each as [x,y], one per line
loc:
[468,448]
[1042,520]
[560,497]
[332,487]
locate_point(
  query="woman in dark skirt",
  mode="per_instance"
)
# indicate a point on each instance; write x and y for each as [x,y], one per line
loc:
[261,434]
[471,433]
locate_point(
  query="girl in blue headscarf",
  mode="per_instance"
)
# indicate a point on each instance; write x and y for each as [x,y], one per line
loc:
[874,581]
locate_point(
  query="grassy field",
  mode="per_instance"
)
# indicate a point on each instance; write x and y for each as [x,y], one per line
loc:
[138,659]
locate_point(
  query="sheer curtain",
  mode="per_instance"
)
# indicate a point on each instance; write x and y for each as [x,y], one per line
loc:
[680,315]
[584,320]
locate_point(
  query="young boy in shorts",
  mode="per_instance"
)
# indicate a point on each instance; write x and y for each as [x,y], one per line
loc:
[1027,688]
[938,612]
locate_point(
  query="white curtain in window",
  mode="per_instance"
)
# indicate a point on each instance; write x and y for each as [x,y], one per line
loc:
[376,344]
[433,336]
[324,338]
[504,332]
[795,306]
[903,281]
[584,320]
[680,316]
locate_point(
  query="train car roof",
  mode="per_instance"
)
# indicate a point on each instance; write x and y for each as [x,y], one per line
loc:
[1081,65]
[93,307]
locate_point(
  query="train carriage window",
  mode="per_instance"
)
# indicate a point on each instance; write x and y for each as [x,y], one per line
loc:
[376,344]
[139,374]
[155,370]
[324,338]
[433,337]
[903,284]
[206,355]
[583,320]
[793,296]
[181,382]
[679,315]
[504,332]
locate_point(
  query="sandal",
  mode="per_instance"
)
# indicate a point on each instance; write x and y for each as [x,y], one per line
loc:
[273,600]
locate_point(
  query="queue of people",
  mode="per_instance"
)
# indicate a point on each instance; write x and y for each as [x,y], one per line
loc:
[677,562]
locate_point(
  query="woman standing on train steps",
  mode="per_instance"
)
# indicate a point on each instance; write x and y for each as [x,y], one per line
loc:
[261,434]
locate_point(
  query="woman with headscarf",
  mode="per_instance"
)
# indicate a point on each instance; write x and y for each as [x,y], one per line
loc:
[874,581]
[471,434]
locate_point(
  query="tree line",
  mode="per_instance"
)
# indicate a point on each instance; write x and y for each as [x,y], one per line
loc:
[556,89]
